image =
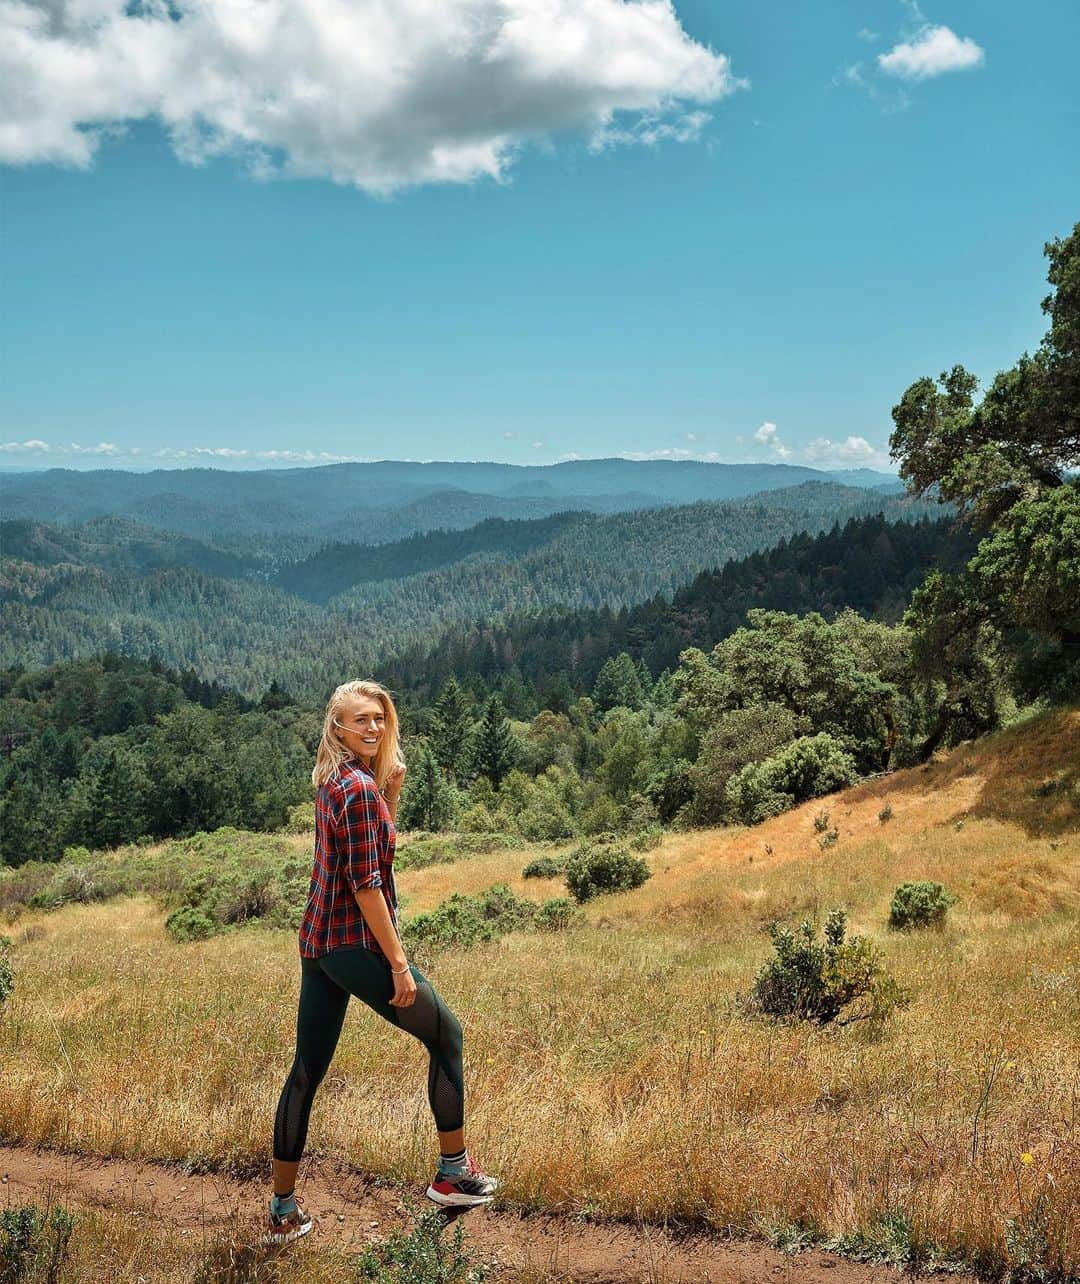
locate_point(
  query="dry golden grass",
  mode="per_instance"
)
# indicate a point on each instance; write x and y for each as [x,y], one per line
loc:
[586,1050]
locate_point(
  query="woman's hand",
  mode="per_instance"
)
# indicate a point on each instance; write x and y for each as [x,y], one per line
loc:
[394,781]
[404,990]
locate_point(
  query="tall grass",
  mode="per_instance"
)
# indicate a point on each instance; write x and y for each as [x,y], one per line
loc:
[624,1037]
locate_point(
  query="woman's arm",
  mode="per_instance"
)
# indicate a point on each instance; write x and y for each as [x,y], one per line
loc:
[391,791]
[373,907]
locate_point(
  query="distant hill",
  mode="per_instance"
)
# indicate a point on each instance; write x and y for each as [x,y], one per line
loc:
[869,563]
[285,513]
[246,633]
[114,543]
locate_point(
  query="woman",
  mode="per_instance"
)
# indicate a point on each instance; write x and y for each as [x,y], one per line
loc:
[349,944]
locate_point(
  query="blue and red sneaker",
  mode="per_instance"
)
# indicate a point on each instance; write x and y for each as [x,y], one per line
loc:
[472,1187]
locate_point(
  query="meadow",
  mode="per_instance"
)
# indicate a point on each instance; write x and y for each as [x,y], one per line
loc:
[612,1068]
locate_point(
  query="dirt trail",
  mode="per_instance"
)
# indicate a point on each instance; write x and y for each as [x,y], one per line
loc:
[353,1211]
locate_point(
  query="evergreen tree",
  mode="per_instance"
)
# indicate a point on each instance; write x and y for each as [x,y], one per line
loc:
[428,801]
[494,749]
[450,722]
[617,683]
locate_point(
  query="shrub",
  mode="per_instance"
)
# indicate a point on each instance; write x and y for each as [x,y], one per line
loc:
[593,869]
[463,920]
[922,904]
[189,924]
[821,822]
[429,1253]
[885,814]
[806,768]
[545,867]
[647,839]
[815,981]
[556,914]
[829,839]
[34,1243]
[7,973]
[301,819]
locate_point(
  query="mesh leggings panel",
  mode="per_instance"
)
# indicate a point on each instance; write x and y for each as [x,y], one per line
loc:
[325,986]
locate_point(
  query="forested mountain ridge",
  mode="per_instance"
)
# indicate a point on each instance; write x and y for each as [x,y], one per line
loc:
[870,564]
[378,501]
[339,566]
[247,633]
[115,543]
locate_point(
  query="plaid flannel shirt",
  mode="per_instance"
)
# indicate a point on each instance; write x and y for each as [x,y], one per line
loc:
[354,848]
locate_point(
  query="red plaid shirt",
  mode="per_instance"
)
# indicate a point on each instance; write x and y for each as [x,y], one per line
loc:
[354,848]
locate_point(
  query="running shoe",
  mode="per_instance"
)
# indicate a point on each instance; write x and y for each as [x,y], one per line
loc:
[472,1187]
[290,1226]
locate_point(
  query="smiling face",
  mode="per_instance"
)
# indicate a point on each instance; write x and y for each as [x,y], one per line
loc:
[361,725]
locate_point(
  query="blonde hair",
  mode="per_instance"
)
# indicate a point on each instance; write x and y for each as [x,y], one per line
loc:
[332,753]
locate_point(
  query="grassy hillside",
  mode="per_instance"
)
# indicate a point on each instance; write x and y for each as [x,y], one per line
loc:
[951,1129]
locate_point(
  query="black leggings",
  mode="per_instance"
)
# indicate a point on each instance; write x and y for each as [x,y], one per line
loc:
[325,986]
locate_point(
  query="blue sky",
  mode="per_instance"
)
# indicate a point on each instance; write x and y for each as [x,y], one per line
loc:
[736,233]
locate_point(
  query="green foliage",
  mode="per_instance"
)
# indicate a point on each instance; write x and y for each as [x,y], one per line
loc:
[300,819]
[885,814]
[428,800]
[7,972]
[737,738]
[463,920]
[189,924]
[921,904]
[109,750]
[545,867]
[556,914]
[425,850]
[821,822]
[594,869]
[618,683]
[814,980]
[428,1253]
[34,1243]
[1006,461]
[494,750]
[646,840]
[807,768]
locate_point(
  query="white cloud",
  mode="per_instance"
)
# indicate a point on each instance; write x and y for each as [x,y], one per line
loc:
[864,33]
[767,436]
[174,454]
[509,436]
[932,52]
[538,445]
[378,96]
[852,452]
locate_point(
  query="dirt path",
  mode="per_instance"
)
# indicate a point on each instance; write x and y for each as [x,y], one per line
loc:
[353,1211]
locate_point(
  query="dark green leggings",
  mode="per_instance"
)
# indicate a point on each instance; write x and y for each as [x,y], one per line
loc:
[325,986]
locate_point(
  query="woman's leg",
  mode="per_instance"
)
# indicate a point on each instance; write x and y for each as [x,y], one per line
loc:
[319,1019]
[367,975]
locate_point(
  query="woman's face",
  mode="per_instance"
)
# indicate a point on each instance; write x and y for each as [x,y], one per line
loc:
[361,725]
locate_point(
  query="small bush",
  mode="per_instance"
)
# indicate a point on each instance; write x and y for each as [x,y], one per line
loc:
[429,1253]
[923,904]
[34,1243]
[556,914]
[545,867]
[807,768]
[300,819]
[7,972]
[189,924]
[816,981]
[885,814]
[821,822]
[829,839]
[592,870]
[647,839]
